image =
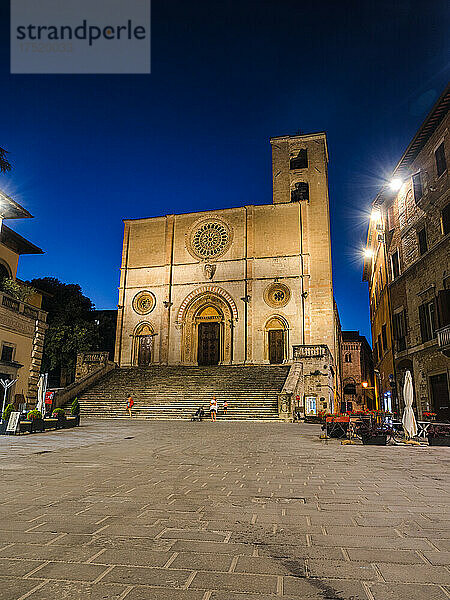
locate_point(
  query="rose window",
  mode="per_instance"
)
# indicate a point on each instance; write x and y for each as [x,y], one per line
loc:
[277,295]
[144,302]
[209,240]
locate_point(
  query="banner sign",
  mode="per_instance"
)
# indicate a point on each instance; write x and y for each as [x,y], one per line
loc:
[13,422]
[49,397]
[310,405]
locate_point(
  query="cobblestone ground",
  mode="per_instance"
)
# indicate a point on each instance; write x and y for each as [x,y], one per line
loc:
[224,511]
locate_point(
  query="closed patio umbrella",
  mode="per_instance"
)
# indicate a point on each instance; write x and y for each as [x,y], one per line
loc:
[408,419]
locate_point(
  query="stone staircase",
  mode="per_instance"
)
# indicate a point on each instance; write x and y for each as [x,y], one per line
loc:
[175,392]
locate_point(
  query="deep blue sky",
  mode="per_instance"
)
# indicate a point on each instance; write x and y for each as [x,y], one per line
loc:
[89,151]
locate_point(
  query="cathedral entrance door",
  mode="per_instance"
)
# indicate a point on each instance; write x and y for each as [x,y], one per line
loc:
[145,350]
[208,343]
[276,346]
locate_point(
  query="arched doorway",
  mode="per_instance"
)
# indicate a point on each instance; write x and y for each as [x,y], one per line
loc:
[276,340]
[209,320]
[206,319]
[143,345]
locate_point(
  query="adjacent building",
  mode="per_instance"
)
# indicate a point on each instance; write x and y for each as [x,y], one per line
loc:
[249,285]
[356,370]
[407,267]
[22,322]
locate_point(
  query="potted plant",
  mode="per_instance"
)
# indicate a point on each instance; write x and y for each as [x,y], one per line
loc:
[75,410]
[60,414]
[5,417]
[374,434]
[37,422]
[429,416]
[337,425]
[439,435]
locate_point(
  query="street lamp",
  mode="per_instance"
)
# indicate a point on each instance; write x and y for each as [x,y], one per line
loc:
[395,184]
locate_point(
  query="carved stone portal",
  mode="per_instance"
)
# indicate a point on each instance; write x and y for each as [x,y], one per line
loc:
[196,313]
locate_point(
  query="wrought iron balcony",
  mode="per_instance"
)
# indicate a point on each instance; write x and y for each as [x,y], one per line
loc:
[443,337]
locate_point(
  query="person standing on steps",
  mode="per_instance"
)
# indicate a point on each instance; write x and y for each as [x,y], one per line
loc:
[225,407]
[130,404]
[213,408]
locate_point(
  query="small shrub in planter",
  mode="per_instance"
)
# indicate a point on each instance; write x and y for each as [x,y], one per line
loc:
[5,417]
[37,422]
[439,435]
[75,410]
[374,435]
[60,414]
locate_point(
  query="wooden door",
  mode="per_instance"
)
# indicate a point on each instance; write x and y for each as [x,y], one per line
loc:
[276,346]
[208,343]
[145,350]
[440,397]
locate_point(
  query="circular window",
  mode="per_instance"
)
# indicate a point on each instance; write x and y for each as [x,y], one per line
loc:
[209,239]
[277,295]
[144,302]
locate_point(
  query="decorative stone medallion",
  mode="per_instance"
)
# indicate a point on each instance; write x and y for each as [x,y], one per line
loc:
[209,238]
[277,295]
[144,302]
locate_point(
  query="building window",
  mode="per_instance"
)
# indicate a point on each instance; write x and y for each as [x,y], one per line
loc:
[375,352]
[441,163]
[395,265]
[300,192]
[300,161]
[380,277]
[400,330]
[427,318]
[390,218]
[348,357]
[384,337]
[380,348]
[446,219]
[7,353]
[350,389]
[422,239]
[417,186]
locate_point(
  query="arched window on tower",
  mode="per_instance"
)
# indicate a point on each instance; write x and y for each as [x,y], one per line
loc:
[300,192]
[300,161]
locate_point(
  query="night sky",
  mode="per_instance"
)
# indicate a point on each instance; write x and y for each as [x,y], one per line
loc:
[89,151]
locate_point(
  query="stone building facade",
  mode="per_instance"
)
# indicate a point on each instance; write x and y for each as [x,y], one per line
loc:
[22,322]
[234,286]
[356,369]
[409,238]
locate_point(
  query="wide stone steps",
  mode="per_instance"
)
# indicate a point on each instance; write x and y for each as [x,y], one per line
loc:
[177,392]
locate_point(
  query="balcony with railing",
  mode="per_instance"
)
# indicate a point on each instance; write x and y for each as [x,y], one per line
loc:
[443,338]
[21,308]
[310,351]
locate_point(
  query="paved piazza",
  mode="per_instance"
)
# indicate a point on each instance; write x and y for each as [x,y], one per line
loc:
[224,511]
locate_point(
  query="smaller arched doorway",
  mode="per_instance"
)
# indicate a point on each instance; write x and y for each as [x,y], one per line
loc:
[143,345]
[209,323]
[276,340]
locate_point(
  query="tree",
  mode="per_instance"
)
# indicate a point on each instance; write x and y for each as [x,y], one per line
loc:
[71,326]
[5,165]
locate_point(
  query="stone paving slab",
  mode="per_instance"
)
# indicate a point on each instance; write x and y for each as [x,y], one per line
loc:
[228,511]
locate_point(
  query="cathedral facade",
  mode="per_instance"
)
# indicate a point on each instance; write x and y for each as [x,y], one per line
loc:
[235,286]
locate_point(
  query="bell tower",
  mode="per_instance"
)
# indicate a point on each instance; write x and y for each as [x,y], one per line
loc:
[299,167]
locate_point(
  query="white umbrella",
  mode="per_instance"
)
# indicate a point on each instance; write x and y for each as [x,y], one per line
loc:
[40,394]
[408,419]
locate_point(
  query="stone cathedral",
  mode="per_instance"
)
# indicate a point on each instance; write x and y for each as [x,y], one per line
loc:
[239,286]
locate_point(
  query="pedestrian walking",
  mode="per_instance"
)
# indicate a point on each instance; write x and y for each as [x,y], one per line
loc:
[213,408]
[225,407]
[130,404]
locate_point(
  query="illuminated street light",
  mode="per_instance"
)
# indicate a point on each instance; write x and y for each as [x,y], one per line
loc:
[396,184]
[364,384]
[375,215]
[368,253]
